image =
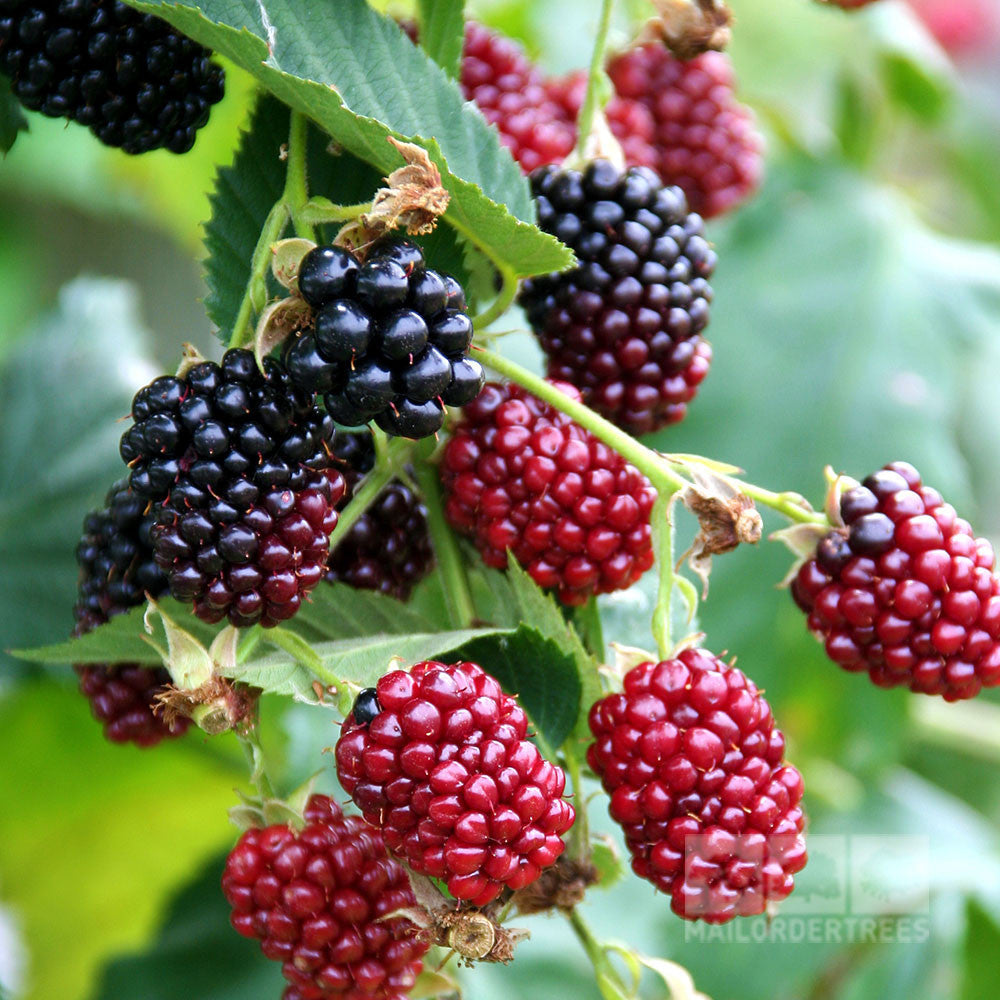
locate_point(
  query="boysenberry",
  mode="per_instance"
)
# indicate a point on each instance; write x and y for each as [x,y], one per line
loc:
[693,763]
[905,591]
[624,326]
[519,475]
[445,769]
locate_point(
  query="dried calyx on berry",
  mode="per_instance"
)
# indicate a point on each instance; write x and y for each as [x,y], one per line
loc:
[317,899]
[520,476]
[131,78]
[694,766]
[117,570]
[238,466]
[389,339]
[388,548]
[445,769]
[625,325]
[904,590]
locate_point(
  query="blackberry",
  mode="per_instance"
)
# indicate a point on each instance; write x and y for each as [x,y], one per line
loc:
[624,326]
[520,476]
[389,340]
[239,468]
[318,900]
[129,77]
[694,132]
[905,590]
[117,570]
[440,761]
[388,548]
[694,766]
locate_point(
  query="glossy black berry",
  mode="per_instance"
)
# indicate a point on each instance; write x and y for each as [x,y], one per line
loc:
[624,326]
[366,707]
[390,344]
[131,78]
[871,534]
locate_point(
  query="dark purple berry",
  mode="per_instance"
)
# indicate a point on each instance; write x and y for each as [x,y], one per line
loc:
[327,273]
[366,707]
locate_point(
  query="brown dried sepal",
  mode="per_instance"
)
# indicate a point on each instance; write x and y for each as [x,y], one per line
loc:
[413,199]
[216,706]
[560,887]
[690,27]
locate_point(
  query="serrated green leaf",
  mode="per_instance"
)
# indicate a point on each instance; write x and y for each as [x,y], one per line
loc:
[542,675]
[360,78]
[12,118]
[442,32]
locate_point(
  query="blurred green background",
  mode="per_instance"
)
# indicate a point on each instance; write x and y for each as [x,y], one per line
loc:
[857,320]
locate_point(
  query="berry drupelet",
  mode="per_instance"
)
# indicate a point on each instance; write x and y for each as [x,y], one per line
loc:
[682,119]
[904,590]
[692,761]
[117,570]
[438,757]
[389,340]
[519,475]
[625,325]
[133,80]
[388,548]
[317,899]
[238,464]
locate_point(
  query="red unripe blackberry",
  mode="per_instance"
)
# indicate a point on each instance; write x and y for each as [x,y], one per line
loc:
[131,78]
[438,757]
[703,140]
[519,475]
[624,326]
[239,467]
[388,548]
[905,590]
[389,339]
[315,898]
[961,27]
[117,570]
[694,766]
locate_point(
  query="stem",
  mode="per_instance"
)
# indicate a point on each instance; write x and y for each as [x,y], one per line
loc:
[501,303]
[647,461]
[579,834]
[250,741]
[663,540]
[789,504]
[595,82]
[321,210]
[296,192]
[397,454]
[255,296]
[457,593]
[608,980]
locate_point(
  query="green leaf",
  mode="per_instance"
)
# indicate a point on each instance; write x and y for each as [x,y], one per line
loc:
[337,611]
[62,393]
[913,87]
[359,78]
[12,118]
[608,861]
[442,32]
[982,945]
[532,666]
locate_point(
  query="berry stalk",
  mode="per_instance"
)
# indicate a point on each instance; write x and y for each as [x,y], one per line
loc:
[598,85]
[296,193]
[608,980]
[663,542]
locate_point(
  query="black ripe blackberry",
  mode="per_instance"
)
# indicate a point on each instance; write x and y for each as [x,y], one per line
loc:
[129,77]
[117,570]
[239,467]
[388,548]
[624,326]
[389,341]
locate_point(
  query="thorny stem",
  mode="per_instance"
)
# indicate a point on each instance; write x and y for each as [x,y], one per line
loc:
[596,81]
[250,741]
[289,206]
[317,211]
[457,593]
[502,302]
[396,455]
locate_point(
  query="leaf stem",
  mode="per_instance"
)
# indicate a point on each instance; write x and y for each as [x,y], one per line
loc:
[596,81]
[654,466]
[296,193]
[455,582]
[501,303]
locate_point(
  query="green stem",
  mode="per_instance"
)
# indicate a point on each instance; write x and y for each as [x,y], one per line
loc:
[608,980]
[663,541]
[500,304]
[596,81]
[579,834]
[255,296]
[318,211]
[647,461]
[455,581]
[250,741]
[296,184]
[397,454]
[789,504]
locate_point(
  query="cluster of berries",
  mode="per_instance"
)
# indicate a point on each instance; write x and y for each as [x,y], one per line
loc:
[679,118]
[133,80]
[388,341]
